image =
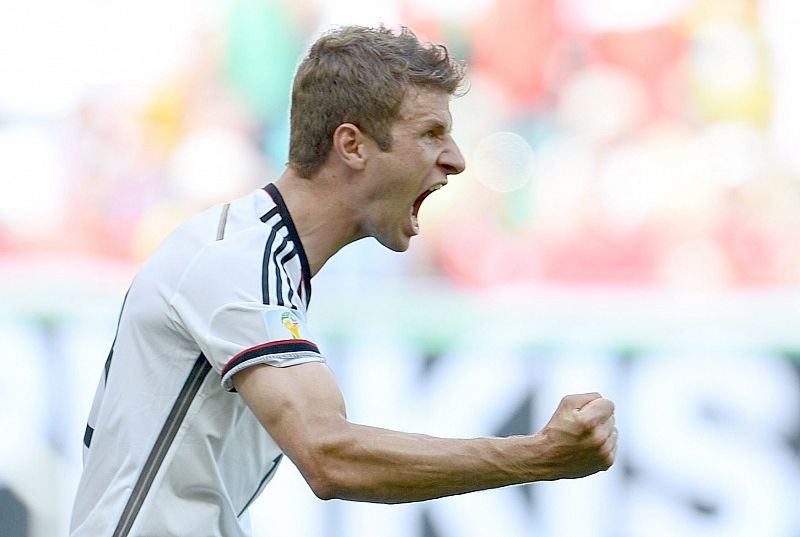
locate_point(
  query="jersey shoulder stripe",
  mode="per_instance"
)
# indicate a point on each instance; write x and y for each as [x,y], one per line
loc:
[268,291]
[304,286]
[283,262]
[279,272]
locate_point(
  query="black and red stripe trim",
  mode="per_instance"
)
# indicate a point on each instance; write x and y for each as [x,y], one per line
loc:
[273,347]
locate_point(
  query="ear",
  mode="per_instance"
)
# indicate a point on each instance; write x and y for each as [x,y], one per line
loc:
[351,145]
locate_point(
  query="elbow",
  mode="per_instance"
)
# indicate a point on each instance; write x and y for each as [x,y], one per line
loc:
[316,473]
[330,485]
[324,474]
[323,488]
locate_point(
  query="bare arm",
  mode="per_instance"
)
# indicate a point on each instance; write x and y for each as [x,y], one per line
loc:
[303,410]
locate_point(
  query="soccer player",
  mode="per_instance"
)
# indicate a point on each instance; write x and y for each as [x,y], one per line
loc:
[214,375]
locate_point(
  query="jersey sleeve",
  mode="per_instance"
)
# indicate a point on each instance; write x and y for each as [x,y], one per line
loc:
[219,302]
[245,334]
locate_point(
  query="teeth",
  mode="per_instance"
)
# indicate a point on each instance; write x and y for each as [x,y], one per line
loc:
[435,187]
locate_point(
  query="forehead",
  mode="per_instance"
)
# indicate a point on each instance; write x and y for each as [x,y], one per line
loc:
[425,106]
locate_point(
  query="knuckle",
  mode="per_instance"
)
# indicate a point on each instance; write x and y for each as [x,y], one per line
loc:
[598,440]
[609,455]
[605,459]
[585,424]
[582,428]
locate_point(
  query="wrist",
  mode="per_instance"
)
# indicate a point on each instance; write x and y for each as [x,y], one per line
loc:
[525,458]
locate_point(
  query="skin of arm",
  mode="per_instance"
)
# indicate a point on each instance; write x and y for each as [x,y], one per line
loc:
[303,410]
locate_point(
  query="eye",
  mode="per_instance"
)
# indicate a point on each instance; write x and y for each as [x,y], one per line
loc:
[435,131]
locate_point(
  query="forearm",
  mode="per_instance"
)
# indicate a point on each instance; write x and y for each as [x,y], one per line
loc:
[303,411]
[378,465]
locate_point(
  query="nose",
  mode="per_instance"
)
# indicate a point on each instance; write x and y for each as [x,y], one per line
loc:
[451,161]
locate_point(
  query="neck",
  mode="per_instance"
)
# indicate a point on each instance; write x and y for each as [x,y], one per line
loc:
[321,214]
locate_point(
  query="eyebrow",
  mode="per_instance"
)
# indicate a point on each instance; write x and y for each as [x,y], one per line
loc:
[437,124]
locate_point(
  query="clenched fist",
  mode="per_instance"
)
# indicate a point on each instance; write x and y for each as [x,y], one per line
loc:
[581,438]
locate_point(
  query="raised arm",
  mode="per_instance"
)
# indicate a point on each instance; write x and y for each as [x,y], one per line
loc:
[303,410]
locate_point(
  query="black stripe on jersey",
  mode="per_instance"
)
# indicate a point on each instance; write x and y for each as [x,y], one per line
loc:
[265,266]
[169,430]
[284,260]
[278,279]
[279,292]
[107,366]
[272,190]
[87,436]
[264,480]
[269,214]
[265,349]
[162,444]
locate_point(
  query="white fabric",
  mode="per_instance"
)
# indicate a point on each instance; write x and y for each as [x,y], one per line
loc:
[196,295]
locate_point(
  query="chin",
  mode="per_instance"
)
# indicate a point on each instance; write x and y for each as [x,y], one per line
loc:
[398,245]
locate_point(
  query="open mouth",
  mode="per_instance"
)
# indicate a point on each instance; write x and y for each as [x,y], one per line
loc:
[421,198]
[418,204]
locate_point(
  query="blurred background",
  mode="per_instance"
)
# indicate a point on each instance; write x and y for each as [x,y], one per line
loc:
[629,223]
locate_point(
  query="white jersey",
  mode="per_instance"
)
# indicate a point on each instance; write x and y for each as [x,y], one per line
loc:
[170,448]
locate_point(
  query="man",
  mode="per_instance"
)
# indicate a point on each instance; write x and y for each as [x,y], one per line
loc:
[213,374]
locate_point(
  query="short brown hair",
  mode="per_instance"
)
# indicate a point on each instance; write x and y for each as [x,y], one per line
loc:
[360,75]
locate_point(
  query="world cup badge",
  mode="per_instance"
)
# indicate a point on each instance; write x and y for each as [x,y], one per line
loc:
[291,323]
